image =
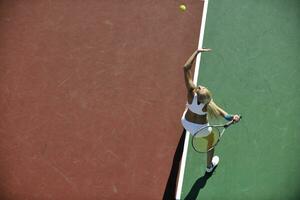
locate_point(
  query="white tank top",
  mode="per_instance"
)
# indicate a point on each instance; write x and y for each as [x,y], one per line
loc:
[195,107]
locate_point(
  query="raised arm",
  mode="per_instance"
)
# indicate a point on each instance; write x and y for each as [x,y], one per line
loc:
[188,69]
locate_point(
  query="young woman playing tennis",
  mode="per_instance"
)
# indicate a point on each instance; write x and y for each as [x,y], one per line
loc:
[199,106]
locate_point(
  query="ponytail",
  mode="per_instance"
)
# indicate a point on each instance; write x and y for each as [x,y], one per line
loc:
[212,109]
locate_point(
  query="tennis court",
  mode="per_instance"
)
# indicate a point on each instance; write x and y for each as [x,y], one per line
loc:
[85,92]
[92,92]
[253,70]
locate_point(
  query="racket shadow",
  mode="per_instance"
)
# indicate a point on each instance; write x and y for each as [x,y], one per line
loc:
[198,185]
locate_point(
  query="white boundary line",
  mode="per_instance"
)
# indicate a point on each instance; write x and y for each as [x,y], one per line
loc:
[187,135]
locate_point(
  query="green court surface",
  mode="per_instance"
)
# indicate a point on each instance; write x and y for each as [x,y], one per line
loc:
[254,70]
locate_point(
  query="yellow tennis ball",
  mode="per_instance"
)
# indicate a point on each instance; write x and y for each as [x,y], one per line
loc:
[182,7]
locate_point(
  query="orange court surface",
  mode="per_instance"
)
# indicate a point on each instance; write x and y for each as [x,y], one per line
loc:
[92,93]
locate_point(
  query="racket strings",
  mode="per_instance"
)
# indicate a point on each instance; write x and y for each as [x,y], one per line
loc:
[202,143]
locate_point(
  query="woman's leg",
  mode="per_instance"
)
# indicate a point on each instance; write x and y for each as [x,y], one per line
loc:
[212,161]
[210,154]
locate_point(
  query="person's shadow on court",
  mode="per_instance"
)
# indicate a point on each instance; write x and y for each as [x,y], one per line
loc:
[198,185]
[170,190]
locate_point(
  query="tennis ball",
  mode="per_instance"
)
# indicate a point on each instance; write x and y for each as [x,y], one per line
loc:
[182,7]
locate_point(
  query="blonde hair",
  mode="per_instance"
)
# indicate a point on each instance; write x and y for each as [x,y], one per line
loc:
[212,108]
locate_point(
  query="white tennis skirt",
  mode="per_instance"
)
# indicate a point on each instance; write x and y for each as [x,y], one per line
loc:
[193,128]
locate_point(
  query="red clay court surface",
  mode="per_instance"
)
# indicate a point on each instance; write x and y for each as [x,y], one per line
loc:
[92,93]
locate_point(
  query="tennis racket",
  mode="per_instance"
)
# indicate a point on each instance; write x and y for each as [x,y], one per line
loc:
[205,144]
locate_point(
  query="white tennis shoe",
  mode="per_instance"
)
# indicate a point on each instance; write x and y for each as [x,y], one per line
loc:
[214,163]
